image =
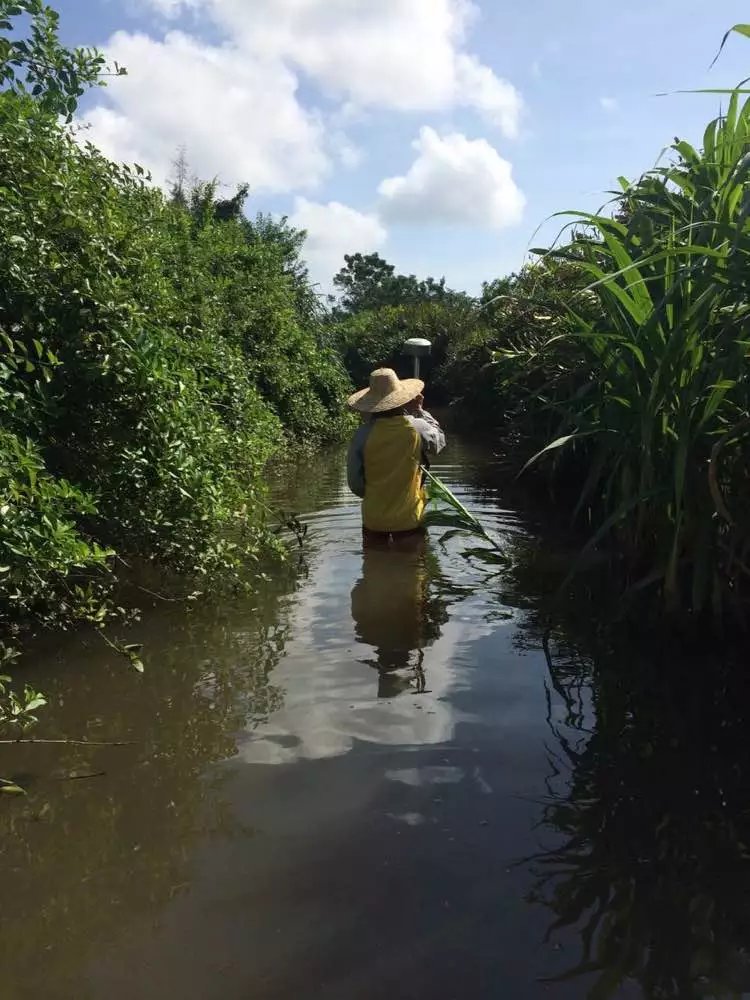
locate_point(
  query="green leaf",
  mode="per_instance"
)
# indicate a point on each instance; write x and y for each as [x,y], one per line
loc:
[715,399]
[488,555]
[10,788]
[553,445]
[738,29]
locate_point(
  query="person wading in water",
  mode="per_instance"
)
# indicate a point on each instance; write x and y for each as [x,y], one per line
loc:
[385,455]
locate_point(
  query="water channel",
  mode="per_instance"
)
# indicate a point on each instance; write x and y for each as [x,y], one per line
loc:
[376,779]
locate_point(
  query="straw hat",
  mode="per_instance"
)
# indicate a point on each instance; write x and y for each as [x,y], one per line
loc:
[387,392]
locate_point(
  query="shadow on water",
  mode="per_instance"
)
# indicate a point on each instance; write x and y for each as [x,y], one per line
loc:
[647,809]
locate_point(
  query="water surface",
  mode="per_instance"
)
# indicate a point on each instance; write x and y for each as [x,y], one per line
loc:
[353,785]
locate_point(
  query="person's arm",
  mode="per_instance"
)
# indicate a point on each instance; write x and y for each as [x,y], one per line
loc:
[355,462]
[431,432]
[433,439]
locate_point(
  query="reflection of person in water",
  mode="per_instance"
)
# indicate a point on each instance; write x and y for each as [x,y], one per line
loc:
[395,613]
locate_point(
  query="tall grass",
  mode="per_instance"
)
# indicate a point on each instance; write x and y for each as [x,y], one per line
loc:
[649,399]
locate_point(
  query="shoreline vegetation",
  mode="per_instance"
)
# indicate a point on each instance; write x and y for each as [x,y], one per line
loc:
[157,349]
[612,373]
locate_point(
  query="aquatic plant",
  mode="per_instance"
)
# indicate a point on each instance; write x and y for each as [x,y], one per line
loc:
[658,418]
[445,510]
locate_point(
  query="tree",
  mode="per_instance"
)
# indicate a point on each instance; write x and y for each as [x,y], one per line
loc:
[152,355]
[179,184]
[38,65]
[200,199]
[367,281]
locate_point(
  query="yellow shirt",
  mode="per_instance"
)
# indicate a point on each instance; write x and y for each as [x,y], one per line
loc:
[384,469]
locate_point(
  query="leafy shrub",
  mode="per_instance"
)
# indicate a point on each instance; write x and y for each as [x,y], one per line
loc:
[375,339]
[518,316]
[153,355]
[638,390]
[42,548]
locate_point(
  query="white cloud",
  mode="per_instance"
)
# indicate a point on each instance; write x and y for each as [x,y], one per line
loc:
[237,107]
[347,153]
[454,181]
[172,8]
[333,230]
[238,118]
[608,104]
[496,99]
[404,55]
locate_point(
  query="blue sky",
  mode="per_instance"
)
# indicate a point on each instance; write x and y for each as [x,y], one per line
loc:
[440,132]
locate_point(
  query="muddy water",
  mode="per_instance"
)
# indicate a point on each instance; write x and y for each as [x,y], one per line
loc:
[335,791]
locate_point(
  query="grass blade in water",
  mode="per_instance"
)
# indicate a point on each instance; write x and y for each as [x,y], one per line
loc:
[445,510]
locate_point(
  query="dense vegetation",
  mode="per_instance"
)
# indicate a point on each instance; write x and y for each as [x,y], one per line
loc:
[154,352]
[377,309]
[635,386]
[617,364]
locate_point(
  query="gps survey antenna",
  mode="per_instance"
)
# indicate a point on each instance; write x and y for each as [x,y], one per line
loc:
[417,347]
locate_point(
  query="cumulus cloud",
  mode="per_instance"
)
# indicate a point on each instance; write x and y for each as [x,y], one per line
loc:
[333,230]
[237,118]
[406,55]
[236,105]
[345,151]
[270,100]
[454,181]
[496,99]
[172,8]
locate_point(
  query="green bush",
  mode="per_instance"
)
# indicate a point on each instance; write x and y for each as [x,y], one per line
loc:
[518,316]
[379,309]
[636,389]
[152,359]
[375,338]
[42,548]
